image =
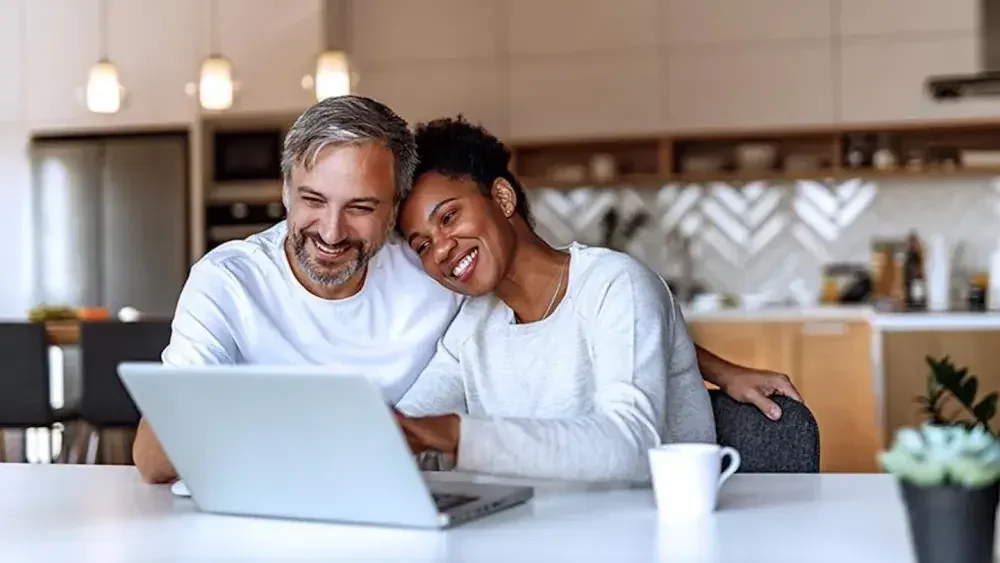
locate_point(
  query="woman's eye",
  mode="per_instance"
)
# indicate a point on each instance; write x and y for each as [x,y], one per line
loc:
[447,217]
[421,248]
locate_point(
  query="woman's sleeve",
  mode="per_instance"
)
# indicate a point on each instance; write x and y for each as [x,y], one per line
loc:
[647,387]
[439,389]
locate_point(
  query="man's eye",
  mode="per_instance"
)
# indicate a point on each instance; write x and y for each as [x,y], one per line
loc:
[421,248]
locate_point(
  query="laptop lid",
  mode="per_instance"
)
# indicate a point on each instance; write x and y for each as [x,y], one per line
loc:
[283,441]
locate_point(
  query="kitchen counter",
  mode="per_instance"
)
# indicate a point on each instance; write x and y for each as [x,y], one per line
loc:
[883,322]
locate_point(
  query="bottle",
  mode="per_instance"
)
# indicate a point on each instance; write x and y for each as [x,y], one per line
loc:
[914,282]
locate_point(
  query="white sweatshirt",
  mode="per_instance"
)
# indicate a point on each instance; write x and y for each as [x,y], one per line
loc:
[580,395]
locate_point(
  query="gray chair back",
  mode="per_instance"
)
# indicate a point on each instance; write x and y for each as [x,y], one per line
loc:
[788,445]
[24,377]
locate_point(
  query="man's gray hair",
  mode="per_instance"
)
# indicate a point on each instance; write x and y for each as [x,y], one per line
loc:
[347,120]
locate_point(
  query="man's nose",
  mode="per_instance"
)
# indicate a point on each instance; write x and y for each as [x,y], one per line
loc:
[332,228]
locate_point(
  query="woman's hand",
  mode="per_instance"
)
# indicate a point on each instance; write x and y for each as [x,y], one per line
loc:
[748,385]
[438,433]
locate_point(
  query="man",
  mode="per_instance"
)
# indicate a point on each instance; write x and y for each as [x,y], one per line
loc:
[327,286]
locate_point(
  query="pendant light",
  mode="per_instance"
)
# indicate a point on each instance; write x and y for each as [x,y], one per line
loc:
[333,71]
[104,93]
[215,84]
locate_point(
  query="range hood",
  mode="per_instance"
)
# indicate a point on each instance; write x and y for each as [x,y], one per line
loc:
[985,83]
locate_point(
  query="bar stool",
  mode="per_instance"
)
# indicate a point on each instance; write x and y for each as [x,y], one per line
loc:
[106,408]
[25,400]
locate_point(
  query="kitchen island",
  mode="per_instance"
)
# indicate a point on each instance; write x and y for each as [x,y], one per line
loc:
[857,369]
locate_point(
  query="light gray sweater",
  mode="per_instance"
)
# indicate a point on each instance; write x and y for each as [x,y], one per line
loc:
[580,395]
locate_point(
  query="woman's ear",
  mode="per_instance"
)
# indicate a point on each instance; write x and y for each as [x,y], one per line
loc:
[505,196]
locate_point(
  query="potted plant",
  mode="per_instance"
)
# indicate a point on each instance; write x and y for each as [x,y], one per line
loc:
[948,470]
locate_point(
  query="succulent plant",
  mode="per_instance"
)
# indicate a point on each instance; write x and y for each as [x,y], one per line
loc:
[944,455]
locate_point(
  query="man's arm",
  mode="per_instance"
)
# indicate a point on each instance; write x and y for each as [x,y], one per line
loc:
[201,334]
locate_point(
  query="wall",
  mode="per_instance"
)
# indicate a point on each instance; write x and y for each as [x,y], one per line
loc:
[47,47]
[775,239]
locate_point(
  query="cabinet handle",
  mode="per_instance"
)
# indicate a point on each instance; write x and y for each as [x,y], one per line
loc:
[827,328]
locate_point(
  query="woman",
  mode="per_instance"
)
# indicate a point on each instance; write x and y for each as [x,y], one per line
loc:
[565,363]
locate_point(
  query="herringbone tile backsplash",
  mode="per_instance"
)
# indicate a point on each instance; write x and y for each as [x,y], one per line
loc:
[775,238]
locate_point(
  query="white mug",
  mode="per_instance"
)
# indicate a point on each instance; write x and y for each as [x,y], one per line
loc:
[687,478]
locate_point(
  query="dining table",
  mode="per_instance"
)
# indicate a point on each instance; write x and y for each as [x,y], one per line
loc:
[90,513]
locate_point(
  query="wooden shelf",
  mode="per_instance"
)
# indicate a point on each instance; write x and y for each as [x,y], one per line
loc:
[921,150]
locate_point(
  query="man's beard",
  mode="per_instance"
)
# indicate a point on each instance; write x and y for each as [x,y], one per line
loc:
[327,276]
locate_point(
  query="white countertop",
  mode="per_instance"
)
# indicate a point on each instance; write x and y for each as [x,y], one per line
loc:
[52,513]
[953,321]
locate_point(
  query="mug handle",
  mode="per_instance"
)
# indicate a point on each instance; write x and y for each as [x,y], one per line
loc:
[734,463]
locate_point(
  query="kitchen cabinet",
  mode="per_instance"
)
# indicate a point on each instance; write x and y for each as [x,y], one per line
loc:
[60,44]
[390,33]
[579,27]
[906,369]
[722,22]
[426,91]
[597,95]
[152,44]
[829,362]
[883,79]
[272,46]
[11,38]
[744,86]
[888,17]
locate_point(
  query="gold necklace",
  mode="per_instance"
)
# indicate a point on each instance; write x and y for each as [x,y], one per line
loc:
[556,292]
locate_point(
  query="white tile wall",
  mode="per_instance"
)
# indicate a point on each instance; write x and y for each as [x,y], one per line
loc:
[774,238]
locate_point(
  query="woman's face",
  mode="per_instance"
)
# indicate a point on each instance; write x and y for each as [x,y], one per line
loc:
[463,238]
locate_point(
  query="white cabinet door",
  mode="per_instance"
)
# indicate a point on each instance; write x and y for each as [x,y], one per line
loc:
[61,43]
[580,27]
[884,80]
[157,48]
[593,96]
[11,40]
[887,17]
[717,22]
[736,87]
[389,32]
[272,46]
[424,91]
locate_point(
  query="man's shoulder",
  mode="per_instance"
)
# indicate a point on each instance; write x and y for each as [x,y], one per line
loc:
[236,262]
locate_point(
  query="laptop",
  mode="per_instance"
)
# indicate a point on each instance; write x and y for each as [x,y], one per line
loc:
[300,443]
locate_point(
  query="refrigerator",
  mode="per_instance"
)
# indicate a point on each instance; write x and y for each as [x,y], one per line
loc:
[111,222]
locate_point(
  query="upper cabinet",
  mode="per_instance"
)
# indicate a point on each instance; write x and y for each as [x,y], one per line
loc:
[579,27]
[11,41]
[883,79]
[431,58]
[272,46]
[756,86]
[61,43]
[890,17]
[688,23]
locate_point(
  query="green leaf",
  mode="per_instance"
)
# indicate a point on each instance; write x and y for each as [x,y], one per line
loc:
[987,408]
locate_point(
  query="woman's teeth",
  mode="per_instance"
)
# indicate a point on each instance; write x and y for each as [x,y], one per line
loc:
[464,264]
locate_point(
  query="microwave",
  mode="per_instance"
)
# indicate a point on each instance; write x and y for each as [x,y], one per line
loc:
[247,155]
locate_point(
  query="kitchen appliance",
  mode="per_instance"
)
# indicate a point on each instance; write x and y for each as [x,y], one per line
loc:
[985,83]
[111,223]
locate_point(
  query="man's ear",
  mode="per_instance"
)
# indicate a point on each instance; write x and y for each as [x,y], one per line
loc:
[505,196]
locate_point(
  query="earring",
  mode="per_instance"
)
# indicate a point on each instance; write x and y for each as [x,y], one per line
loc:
[508,209]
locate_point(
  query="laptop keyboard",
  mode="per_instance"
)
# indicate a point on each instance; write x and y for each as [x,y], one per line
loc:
[446,502]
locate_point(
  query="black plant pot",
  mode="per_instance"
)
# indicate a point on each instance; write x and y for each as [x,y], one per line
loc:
[950,523]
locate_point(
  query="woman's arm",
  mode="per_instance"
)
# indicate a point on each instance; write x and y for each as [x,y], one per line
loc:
[439,388]
[647,387]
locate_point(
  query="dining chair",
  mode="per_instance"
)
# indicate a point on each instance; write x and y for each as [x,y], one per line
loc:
[25,400]
[106,407]
[787,445]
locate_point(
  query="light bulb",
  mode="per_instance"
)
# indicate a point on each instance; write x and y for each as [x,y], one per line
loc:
[333,77]
[104,91]
[215,89]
